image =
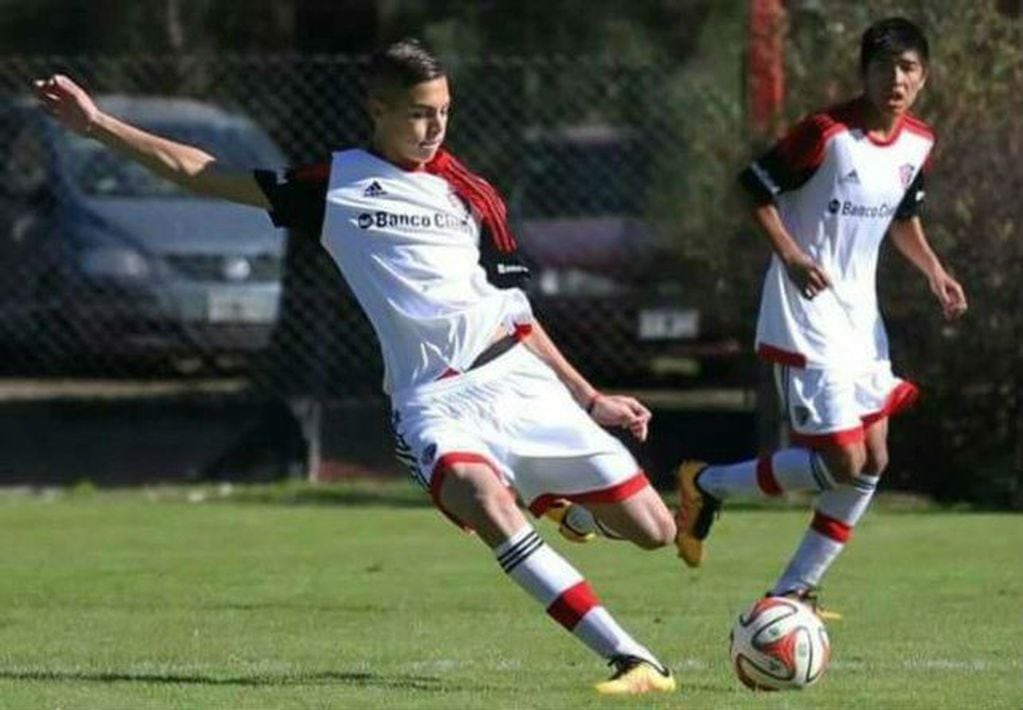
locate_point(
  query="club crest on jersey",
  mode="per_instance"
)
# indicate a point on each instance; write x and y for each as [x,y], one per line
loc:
[906,173]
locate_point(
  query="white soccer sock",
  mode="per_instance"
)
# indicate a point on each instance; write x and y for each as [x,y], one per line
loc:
[552,581]
[785,470]
[837,513]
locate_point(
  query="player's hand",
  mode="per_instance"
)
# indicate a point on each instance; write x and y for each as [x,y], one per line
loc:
[621,411]
[949,294]
[67,102]
[807,275]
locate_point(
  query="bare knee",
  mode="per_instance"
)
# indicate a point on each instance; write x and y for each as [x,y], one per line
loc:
[659,530]
[845,463]
[653,529]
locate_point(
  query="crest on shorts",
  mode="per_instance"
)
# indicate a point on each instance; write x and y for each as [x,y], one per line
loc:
[802,415]
[906,173]
[428,454]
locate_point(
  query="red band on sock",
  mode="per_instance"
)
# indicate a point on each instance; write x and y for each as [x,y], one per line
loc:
[573,604]
[830,527]
[765,477]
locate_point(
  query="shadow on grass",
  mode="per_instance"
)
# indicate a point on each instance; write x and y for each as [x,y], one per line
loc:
[391,496]
[361,680]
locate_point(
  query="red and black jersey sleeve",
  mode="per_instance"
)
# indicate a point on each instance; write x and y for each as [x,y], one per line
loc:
[791,162]
[913,200]
[504,266]
[297,197]
[499,250]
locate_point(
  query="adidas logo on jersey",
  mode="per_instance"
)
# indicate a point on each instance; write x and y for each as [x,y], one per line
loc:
[852,176]
[374,190]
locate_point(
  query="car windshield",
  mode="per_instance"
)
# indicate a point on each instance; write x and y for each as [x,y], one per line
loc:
[101,172]
[583,179]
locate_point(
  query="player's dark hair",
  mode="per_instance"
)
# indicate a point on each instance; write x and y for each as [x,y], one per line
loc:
[401,65]
[892,35]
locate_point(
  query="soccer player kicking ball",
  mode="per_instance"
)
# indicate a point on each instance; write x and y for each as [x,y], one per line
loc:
[825,196]
[484,405]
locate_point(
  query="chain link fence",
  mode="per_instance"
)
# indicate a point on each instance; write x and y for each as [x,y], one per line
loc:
[113,272]
[618,178]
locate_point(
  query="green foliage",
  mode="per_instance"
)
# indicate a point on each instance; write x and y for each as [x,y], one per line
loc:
[971,422]
[119,601]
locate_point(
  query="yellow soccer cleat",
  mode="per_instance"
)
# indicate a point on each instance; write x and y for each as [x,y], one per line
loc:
[635,676]
[696,513]
[811,597]
[575,523]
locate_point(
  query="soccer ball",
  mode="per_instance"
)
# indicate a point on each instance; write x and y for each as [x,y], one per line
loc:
[778,644]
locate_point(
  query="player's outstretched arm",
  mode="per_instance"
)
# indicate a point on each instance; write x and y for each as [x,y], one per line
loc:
[909,238]
[186,165]
[606,410]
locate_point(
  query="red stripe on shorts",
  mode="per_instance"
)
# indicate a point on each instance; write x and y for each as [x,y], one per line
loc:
[613,494]
[765,476]
[573,604]
[830,527]
[899,400]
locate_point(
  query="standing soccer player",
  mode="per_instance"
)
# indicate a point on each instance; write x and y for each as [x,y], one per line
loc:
[484,405]
[825,196]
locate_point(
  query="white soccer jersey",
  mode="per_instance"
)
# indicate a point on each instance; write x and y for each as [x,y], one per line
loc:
[837,190]
[409,247]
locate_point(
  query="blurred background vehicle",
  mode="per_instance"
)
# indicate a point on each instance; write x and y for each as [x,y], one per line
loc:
[122,266]
[606,286]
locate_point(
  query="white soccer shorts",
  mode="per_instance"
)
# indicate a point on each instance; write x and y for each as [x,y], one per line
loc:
[835,406]
[515,416]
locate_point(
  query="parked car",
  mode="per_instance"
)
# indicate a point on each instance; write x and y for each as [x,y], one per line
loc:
[615,299]
[103,260]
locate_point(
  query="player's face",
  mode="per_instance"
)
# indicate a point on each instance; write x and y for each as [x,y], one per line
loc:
[892,81]
[409,126]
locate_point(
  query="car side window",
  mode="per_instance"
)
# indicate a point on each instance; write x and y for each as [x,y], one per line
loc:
[25,171]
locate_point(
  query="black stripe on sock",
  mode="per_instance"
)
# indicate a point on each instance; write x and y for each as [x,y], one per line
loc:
[862,485]
[518,546]
[518,554]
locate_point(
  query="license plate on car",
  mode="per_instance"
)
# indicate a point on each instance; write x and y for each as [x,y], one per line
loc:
[668,323]
[241,307]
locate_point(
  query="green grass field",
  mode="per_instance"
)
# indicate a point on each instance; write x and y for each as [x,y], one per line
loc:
[362,597]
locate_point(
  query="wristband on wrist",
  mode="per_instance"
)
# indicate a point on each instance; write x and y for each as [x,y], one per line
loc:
[593,402]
